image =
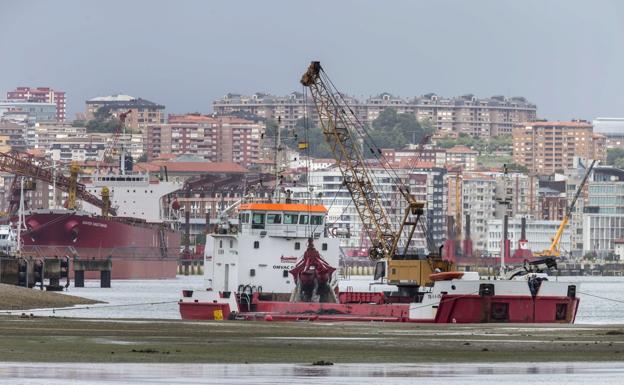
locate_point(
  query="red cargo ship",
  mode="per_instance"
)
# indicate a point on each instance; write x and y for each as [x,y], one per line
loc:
[139,250]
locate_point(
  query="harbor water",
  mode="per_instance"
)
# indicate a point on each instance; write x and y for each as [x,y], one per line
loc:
[345,374]
[158,298]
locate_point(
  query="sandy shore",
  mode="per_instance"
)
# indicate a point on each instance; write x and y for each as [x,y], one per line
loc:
[19,298]
[78,340]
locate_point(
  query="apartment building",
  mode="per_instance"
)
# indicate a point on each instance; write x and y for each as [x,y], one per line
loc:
[426,183]
[77,150]
[549,147]
[214,138]
[480,194]
[285,109]
[41,95]
[410,156]
[143,113]
[612,129]
[539,235]
[462,156]
[27,112]
[482,117]
[603,214]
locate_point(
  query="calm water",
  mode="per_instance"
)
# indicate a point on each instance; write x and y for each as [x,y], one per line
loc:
[140,296]
[347,374]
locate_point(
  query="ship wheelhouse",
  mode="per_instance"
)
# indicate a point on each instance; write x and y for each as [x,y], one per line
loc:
[289,220]
[266,244]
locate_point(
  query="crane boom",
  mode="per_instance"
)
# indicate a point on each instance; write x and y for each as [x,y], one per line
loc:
[554,246]
[23,165]
[344,134]
[338,128]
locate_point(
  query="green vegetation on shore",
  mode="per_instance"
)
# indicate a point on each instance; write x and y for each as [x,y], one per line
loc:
[75,340]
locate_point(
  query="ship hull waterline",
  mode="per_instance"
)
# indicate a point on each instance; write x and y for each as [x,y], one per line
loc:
[452,309]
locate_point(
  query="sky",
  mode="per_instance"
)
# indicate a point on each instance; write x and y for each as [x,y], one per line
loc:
[566,56]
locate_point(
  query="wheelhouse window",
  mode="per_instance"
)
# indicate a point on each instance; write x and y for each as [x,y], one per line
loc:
[257,221]
[316,220]
[244,217]
[274,219]
[303,219]
[290,219]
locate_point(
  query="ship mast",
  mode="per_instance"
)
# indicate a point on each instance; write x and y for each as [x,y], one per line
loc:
[278,148]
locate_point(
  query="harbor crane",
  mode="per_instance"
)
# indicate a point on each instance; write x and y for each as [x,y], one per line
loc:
[346,136]
[553,250]
[24,165]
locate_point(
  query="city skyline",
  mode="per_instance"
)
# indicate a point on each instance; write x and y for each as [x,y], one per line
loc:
[561,56]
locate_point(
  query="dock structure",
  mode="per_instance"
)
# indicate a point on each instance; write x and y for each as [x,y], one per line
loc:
[104,266]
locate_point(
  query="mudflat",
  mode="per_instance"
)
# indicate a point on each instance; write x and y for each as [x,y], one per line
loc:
[49,339]
[21,298]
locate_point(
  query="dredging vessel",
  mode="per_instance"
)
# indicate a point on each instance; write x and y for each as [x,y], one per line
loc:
[258,270]
[252,273]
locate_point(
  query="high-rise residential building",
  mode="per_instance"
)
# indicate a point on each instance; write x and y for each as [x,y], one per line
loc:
[27,112]
[218,139]
[603,214]
[77,150]
[478,198]
[550,147]
[41,95]
[539,235]
[481,117]
[425,183]
[143,113]
[612,129]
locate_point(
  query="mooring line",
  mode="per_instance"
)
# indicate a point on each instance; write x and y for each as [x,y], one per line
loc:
[599,297]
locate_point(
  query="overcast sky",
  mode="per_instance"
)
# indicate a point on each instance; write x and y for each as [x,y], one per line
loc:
[566,56]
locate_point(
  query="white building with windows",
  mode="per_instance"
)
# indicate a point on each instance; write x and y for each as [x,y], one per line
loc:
[539,234]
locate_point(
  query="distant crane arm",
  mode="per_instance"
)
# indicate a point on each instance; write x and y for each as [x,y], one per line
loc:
[24,165]
[554,247]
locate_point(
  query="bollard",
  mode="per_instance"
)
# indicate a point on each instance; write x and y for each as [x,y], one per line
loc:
[79,278]
[105,278]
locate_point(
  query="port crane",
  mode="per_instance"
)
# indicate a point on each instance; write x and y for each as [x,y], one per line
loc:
[553,250]
[345,136]
[24,165]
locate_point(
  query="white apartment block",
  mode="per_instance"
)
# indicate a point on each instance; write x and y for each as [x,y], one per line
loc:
[539,234]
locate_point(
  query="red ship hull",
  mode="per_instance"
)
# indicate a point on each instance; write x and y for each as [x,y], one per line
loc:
[452,309]
[138,250]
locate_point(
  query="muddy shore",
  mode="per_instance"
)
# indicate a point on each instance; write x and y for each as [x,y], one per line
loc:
[20,298]
[80,340]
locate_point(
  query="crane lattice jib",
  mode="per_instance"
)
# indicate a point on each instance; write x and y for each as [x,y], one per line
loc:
[24,165]
[342,133]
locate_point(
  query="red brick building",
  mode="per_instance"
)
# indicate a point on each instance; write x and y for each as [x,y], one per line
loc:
[41,95]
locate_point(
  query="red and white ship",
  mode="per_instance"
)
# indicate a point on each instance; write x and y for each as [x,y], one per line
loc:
[258,270]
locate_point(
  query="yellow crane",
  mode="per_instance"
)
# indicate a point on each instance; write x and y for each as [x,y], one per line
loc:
[345,136]
[553,250]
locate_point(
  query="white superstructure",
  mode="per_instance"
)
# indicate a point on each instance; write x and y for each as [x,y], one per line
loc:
[257,254]
[133,195]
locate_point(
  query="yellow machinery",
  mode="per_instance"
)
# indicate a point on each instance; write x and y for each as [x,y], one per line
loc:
[345,136]
[554,251]
[105,201]
[74,169]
